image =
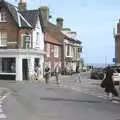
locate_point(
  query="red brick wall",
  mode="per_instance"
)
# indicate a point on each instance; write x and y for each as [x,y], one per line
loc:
[23,31]
[52,59]
[12,29]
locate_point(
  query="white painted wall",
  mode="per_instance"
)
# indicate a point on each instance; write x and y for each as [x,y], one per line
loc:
[40,43]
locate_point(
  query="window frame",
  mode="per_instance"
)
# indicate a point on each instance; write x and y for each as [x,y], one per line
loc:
[56,51]
[47,50]
[3,16]
[26,43]
[3,37]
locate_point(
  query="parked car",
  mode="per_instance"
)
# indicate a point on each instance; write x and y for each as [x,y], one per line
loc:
[116,74]
[97,73]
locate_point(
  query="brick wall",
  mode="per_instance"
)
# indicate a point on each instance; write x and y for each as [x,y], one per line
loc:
[52,60]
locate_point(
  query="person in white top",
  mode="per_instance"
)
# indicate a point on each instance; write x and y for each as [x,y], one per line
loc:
[57,73]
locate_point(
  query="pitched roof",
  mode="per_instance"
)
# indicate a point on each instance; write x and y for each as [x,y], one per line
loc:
[71,39]
[50,39]
[55,32]
[31,16]
[25,19]
[17,16]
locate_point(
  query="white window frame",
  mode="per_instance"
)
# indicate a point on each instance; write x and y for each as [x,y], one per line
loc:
[26,43]
[3,16]
[37,38]
[70,50]
[56,51]
[3,38]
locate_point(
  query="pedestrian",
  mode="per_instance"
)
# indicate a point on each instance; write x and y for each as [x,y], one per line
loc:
[47,72]
[78,79]
[108,84]
[57,73]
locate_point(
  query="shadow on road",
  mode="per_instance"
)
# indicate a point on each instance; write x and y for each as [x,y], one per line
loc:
[67,100]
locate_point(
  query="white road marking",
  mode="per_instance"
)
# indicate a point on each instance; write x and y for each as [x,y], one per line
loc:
[1,99]
[100,96]
[1,102]
[3,115]
[114,101]
[1,110]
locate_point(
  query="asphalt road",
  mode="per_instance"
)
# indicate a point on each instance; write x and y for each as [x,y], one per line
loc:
[30,101]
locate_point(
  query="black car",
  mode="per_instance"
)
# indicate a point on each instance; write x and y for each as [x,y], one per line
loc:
[97,73]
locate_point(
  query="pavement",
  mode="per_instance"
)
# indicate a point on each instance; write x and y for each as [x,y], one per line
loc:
[40,101]
[31,101]
[85,85]
[4,92]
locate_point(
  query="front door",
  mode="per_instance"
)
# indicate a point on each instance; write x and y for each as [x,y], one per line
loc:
[25,69]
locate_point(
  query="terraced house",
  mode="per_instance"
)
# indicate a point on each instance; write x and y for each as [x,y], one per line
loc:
[61,45]
[21,42]
[72,50]
[53,40]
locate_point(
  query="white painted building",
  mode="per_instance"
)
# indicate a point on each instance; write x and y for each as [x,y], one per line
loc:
[21,43]
[72,49]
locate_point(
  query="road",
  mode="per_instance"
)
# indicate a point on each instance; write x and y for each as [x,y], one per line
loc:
[31,101]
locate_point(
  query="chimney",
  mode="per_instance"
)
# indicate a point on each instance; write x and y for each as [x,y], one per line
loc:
[59,22]
[22,5]
[44,10]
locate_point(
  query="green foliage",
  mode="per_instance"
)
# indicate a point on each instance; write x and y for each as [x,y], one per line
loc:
[21,6]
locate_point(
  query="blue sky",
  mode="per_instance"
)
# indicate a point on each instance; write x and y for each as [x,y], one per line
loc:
[93,20]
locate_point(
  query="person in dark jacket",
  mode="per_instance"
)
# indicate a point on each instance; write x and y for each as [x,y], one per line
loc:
[47,72]
[108,83]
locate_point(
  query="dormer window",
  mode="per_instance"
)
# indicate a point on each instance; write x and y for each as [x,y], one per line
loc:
[3,16]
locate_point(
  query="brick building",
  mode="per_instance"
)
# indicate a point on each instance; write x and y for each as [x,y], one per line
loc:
[21,42]
[53,40]
[56,39]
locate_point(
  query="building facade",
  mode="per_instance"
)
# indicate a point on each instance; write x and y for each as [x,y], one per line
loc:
[21,42]
[53,41]
[72,50]
[61,45]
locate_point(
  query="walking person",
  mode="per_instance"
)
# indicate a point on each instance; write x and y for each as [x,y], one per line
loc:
[57,73]
[78,79]
[47,72]
[108,84]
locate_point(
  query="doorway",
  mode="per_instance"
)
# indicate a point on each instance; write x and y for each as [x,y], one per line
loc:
[25,69]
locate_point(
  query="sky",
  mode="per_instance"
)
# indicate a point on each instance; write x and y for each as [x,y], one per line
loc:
[93,20]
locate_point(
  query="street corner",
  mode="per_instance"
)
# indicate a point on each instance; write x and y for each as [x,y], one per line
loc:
[4,92]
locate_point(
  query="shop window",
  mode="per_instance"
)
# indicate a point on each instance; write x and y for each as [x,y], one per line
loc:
[8,65]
